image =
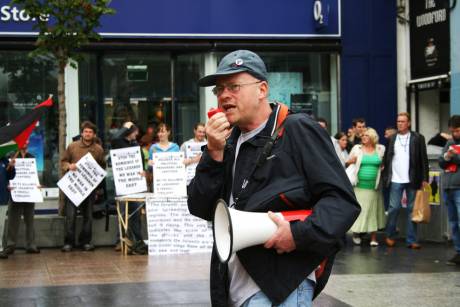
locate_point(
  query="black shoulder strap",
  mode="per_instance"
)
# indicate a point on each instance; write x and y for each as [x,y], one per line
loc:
[282,113]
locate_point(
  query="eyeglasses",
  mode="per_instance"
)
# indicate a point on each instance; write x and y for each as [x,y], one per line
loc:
[233,88]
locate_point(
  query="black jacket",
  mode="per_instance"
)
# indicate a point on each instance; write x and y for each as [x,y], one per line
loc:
[418,161]
[121,142]
[304,170]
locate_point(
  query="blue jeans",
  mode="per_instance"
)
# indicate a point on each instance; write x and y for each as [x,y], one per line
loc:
[300,297]
[396,192]
[453,212]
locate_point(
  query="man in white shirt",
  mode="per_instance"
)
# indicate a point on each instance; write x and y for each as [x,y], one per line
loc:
[192,150]
[406,169]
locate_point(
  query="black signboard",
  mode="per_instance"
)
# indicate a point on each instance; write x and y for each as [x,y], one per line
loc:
[429,38]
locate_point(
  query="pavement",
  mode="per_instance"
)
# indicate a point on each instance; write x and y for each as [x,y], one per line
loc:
[362,276]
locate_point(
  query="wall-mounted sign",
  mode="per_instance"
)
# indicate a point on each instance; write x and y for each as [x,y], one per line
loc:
[202,18]
[429,38]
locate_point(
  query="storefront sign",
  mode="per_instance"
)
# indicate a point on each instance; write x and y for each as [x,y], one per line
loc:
[173,230]
[25,185]
[169,174]
[202,18]
[78,185]
[429,38]
[127,170]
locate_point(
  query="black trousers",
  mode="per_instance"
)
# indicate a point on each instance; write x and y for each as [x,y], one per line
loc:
[86,209]
[15,210]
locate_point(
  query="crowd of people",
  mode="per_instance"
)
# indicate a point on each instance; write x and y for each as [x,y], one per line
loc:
[380,174]
[387,175]
[153,141]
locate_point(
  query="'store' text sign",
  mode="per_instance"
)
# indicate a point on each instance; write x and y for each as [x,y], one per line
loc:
[127,169]
[77,185]
[173,230]
[24,186]
[169,174]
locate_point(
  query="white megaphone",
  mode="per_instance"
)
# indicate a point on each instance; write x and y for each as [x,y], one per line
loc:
[234,230]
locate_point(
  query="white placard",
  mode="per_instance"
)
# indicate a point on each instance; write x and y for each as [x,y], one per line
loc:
[192,149]
[78,184]
[127,169]
[169,174]
[173,230]
[25,183]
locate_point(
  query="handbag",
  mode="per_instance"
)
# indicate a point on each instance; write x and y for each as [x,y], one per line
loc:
[421,213]
[352,174]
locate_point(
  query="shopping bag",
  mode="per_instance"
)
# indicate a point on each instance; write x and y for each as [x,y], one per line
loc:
[421,213]
[351,173]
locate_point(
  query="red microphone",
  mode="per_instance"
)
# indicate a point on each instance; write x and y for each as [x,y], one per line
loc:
[213,111]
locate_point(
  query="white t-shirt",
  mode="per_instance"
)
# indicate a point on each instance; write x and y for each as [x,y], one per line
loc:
[242,286]
[400,165]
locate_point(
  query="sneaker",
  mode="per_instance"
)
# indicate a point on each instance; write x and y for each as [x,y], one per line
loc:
[356,240]
[32,250]
[374,243]
[390,242]
[66,248]
[117,247]
[414,246]
[454,260]
[88,247]
[3,255]
[9,250]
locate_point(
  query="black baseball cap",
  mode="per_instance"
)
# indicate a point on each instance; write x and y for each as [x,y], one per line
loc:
[236,62]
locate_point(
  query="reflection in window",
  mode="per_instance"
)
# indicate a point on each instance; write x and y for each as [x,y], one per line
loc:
[302,80]
[24,83]
[136,87]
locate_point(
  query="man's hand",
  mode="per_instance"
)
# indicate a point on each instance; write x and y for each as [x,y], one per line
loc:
[425,184]
[282,240]
[11,164]
[217,131]
[450,153]
[72,167]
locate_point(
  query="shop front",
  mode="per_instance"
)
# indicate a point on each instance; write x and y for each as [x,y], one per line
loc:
[145,68]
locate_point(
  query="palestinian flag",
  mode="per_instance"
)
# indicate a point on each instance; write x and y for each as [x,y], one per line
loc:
[16,134]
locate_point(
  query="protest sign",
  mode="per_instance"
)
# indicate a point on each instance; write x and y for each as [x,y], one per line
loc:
[78,184]
[192,149]
[169,174]
[173,230]
[127,170]
[25,185]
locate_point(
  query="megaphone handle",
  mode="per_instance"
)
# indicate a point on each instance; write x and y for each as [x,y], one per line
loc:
[296,215]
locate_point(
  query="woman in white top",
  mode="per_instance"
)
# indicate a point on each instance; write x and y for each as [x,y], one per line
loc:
[340,144]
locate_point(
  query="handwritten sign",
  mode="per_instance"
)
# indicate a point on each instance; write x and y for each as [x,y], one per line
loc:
[173,230]
[192,149]
[78,185]
[25,183]
[169,174]
[127,169]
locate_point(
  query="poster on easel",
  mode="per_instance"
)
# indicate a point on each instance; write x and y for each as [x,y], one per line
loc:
[173,230]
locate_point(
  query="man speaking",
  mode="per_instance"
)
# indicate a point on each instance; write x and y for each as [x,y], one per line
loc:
[270,163]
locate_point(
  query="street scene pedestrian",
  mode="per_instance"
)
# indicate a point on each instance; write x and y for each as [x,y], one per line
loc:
[255,275]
